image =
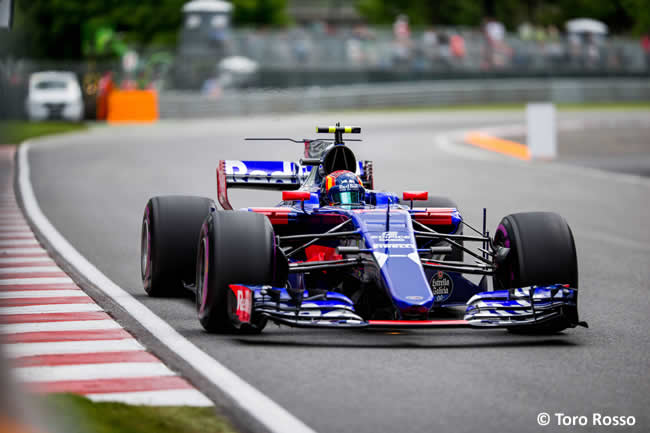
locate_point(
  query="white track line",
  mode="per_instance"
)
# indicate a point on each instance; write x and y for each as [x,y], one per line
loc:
[15,350]
[76,325]
[51,308]
[44,280]
[45,260]
[174,397]
[32,269]
[21,294]
[267,412]
[116,370]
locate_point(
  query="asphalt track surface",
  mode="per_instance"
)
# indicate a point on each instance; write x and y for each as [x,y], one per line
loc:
[93,187]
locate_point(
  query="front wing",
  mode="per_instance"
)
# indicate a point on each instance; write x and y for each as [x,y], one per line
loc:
[519,308]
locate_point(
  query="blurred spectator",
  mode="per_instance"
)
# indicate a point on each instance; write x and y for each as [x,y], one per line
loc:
[494,33]
[401,29]
[525,31]
[445,51]
[575,49]
[430,45]
[554,51]
[457,48]
[104,88]
[354,50]
[402,43]
[645,45]
[301,45]
[592,51]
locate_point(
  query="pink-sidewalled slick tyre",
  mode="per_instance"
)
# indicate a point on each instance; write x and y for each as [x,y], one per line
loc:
[170,230]
[235,247]
[542,251]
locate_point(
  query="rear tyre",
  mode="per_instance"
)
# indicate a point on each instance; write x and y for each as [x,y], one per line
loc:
[234,247]
[170,229]
[542,252]
[457,254]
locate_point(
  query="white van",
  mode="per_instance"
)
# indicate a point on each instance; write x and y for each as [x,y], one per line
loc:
[54,95]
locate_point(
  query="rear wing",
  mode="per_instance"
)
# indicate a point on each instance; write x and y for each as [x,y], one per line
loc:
[271,175]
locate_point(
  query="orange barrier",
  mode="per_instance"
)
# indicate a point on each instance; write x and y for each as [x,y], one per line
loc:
[134,106]
[507,147]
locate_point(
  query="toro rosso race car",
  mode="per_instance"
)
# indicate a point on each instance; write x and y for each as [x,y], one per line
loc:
[337,253]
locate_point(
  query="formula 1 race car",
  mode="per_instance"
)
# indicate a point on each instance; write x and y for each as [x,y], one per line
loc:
[336,253]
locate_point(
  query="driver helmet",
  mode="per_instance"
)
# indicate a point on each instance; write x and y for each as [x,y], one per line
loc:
[343,187]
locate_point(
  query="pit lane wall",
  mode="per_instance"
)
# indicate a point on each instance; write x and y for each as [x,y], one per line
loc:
[176,104]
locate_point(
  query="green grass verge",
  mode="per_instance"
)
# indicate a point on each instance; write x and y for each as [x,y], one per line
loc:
[77,414]
[14,132]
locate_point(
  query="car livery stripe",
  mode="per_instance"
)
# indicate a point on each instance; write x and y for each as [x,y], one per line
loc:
[418,323]
[57,338]
[277,216]
[434,216]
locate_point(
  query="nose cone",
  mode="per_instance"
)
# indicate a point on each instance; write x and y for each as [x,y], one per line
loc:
[406,283]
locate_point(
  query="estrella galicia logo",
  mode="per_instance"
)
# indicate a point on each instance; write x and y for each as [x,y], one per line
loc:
[442,286]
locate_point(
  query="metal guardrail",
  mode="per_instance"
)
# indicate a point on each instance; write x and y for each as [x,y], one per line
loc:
[427,93]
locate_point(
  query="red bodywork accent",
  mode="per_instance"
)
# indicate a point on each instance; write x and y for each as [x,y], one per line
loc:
[244,297]
[295,195]
[415,195]
[418,323]
[317,253]
[277,215]
[434,216]
[222,186]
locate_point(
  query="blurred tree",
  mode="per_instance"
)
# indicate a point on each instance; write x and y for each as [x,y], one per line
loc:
[422,12]
[621,16]
[55,28]
[260,12]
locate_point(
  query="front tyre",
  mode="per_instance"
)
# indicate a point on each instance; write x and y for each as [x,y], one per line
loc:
[234,247]
[542,252]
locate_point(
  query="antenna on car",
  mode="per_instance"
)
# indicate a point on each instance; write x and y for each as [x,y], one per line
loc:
[338,131]
[294,140]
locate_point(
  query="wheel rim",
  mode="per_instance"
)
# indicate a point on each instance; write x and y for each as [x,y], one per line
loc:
[145,248]
[202,280]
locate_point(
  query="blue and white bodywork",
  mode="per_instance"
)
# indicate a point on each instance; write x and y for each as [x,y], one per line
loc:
[383,263]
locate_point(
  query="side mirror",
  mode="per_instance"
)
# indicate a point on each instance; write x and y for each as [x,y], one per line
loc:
[415,195]
[295,195]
